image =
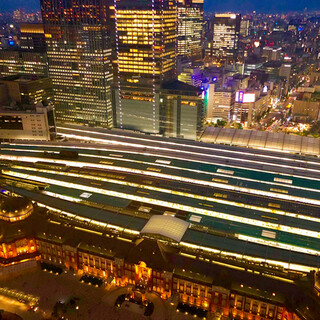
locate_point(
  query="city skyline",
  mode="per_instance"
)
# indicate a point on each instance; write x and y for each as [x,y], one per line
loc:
[210,5]
[166,151]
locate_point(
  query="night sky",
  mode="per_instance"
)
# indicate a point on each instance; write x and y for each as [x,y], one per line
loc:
[212,5]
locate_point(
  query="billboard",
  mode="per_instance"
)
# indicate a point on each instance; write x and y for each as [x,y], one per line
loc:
[243,97]
[249,97]
[239,96]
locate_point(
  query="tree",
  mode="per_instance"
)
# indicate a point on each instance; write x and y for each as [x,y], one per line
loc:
[221,123]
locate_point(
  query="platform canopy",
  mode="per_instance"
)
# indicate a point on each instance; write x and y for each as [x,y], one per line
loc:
[262,140]
[166,226]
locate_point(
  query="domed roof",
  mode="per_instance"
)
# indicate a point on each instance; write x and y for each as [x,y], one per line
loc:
[15,208]
[317,281]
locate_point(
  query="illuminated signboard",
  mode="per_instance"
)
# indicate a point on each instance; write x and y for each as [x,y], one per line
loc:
[256,44]
[242,97]
[249,97]
[239,96]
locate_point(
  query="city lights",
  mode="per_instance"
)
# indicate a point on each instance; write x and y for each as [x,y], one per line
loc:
[160,158]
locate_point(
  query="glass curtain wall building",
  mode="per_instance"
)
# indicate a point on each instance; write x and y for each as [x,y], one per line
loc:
[226,31]
[145,58]
[182,110]
[190,28]
[78,36]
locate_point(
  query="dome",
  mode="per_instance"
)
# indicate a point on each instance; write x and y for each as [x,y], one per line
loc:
[15,208]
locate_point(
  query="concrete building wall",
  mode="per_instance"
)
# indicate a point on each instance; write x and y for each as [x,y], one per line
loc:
[306,108]
[14,90]
[27,90]
[3,94]
[25,125]
[222,102]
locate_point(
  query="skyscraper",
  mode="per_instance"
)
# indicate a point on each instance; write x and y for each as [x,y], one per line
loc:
[78,35]
[145,58]
[32,37]
[226,31]
[244,28]
[190,28]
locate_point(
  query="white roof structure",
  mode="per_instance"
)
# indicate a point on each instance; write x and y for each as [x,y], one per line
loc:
[262,140]
[166,226]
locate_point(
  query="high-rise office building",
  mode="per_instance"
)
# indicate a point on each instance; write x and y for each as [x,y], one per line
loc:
[190,28]
[78,36]
[221,103]
[145,58]
[30,58]
[272,54]
[226,31]
[32,37]
[182,110]
[13,62]
[244,28]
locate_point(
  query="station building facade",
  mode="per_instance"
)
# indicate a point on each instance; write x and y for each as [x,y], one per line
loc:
[33,236]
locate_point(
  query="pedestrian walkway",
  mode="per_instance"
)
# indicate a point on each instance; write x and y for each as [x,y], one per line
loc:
[95,303]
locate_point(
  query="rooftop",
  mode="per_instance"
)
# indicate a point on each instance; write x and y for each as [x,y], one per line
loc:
[250,202]
[15,208]
[166,226]
[23,78]
[263,140]
[177,85]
